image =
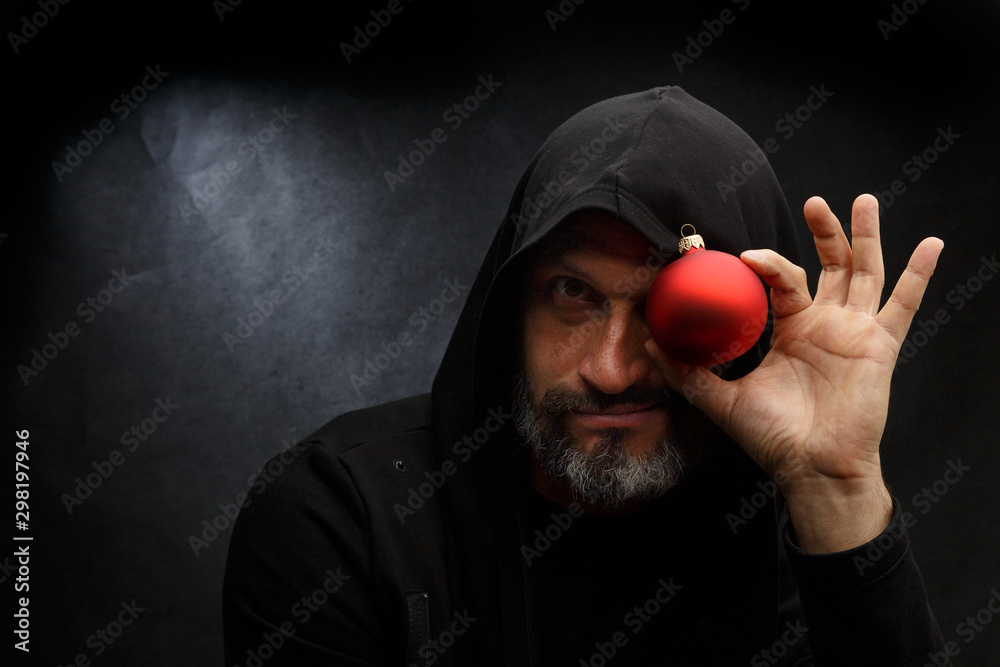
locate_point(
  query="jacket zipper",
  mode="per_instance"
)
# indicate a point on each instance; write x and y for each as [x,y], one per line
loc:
[418,611]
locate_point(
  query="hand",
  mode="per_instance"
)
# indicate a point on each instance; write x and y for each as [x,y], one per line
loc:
[813,412]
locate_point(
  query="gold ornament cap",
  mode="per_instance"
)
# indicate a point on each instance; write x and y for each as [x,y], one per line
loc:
[690,241]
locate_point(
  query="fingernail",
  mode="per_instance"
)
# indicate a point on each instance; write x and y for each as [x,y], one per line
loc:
[753,255]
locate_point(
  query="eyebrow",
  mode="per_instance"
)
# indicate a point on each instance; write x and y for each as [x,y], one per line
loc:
[561,262]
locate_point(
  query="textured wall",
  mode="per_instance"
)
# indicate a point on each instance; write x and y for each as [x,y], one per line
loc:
[203,283]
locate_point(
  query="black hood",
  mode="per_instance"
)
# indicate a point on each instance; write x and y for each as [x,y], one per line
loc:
[656,160]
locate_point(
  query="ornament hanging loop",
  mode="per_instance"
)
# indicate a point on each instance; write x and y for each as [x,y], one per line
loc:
[690,241]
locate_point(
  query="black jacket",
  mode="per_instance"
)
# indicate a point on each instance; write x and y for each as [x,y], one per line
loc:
[406,533]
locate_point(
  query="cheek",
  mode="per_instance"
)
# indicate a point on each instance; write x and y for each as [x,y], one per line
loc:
[552,350]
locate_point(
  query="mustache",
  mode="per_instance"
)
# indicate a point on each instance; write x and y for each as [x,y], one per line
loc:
[559,399]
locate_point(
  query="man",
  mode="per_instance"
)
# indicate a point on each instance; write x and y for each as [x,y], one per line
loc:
[567,494]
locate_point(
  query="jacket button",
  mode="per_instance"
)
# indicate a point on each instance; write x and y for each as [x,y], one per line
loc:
[399,465]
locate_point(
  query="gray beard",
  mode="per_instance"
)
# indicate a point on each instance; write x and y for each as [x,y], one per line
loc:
[609,475]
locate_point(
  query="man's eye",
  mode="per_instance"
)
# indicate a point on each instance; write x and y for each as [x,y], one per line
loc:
[571,288]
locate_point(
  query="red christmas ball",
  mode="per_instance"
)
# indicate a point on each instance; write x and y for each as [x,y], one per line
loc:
[706,307]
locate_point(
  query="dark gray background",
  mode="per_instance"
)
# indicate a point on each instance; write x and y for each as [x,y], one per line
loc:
[322,178]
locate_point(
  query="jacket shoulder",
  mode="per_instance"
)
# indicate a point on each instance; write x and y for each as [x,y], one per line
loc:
[377,423]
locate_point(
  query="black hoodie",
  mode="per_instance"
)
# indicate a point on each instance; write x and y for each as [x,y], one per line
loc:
[406,533]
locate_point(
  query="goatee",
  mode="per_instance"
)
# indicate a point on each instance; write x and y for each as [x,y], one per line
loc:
[609,474]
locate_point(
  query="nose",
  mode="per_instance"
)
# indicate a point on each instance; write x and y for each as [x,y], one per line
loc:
[615,357]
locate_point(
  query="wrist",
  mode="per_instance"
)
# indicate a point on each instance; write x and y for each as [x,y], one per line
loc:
[830,515]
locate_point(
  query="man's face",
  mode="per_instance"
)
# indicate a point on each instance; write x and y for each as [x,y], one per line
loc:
[591,402]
